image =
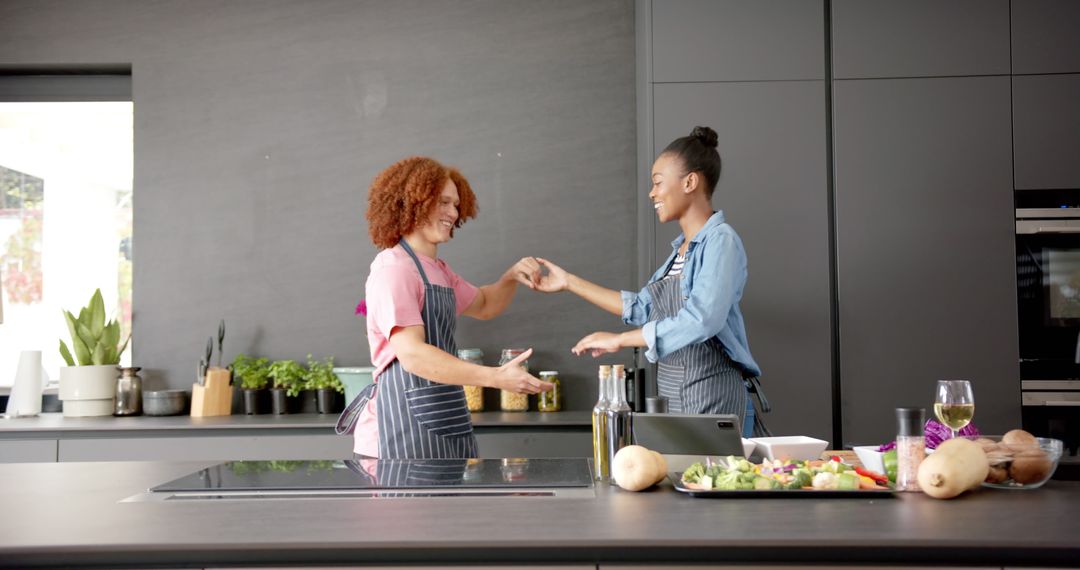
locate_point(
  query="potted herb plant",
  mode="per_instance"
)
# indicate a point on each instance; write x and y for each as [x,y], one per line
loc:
[88,382]
[287,377]
[329,391]
[254,375]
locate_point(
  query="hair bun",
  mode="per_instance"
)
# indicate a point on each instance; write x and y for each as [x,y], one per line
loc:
[706,135]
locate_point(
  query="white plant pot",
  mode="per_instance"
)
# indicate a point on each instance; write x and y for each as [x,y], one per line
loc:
[88,390]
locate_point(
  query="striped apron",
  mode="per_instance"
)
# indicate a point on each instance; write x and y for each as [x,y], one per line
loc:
[701,378]
[413,473]
[418,418]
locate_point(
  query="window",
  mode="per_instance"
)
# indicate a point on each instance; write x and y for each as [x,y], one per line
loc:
[65,219]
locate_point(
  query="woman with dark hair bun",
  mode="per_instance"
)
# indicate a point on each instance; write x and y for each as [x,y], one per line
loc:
[688,313]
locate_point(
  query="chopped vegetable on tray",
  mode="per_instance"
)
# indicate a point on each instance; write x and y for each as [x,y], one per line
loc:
[734,473]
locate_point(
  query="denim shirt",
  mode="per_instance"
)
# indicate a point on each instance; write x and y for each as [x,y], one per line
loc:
[713,279]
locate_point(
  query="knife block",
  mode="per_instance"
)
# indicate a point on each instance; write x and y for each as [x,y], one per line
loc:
[215,397]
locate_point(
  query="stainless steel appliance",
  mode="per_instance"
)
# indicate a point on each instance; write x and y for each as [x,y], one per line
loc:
[1048,303]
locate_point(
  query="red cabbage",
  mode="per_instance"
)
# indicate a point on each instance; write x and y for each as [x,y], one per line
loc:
[936,432]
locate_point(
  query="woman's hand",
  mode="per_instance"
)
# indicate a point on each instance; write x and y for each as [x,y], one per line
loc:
[556,279]
[598,343]
[511,376]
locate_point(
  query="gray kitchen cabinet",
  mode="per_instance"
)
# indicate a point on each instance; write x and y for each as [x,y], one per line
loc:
[549,443]
[52,437]
[206,448]
[773,191]
[1046,131]
[546,443]
[1045,36]
[919,38]
[925,254]
[737,40]
[27,450]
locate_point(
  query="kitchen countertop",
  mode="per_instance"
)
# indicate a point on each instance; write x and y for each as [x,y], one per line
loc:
[56,425]
[60,514]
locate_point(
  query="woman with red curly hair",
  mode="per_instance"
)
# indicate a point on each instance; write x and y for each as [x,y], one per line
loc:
[416,406]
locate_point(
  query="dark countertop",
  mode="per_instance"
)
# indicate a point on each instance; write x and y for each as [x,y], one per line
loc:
[56,425]
[64,514]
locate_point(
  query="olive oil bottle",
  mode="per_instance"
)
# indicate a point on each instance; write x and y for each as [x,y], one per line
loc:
[601,466]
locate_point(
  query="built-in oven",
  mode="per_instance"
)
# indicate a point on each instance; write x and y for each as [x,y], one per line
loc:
[1048,302]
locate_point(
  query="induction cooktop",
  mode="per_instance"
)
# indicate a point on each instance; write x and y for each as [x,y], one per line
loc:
[384,474]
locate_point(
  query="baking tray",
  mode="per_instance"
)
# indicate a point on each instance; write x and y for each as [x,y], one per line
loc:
[676,480]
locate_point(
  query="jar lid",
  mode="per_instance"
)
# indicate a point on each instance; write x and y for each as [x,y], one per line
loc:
[549,373]
[910,421]
[513,350]
[470,353]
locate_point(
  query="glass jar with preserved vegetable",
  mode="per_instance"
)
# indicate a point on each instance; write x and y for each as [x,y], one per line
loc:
[474,395]
[511,401]
[550,401]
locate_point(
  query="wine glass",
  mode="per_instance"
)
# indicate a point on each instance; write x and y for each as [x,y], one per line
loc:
[954,404]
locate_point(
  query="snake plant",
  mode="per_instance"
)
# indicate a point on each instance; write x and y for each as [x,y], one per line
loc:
[95,342]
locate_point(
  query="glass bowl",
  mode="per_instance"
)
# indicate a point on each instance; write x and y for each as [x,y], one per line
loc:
[1020,466]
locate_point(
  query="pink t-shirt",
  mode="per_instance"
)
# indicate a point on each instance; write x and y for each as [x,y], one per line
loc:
[395,297]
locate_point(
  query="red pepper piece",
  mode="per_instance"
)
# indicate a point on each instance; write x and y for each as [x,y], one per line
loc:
[878,477]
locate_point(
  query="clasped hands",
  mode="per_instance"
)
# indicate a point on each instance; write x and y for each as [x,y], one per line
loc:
[539,274]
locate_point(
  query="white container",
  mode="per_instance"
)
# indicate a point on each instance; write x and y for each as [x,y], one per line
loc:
[790,447]
[88,390]
[25,397]
[870,457]
[748,446]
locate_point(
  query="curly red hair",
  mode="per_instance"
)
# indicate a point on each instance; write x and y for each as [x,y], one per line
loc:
[402,197]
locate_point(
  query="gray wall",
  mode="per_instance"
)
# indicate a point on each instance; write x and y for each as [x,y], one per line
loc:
[260,124]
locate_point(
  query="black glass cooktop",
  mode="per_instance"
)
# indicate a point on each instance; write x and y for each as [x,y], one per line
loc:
[385,474]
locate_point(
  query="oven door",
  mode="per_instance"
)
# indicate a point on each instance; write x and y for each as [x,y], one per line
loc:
[1048,302]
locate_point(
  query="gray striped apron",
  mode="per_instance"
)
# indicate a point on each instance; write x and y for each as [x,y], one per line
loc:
[418,418]
[700,378]
[414,473]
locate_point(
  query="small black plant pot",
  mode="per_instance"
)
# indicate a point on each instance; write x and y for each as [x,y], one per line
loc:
[330,401]
[279,402]
[304,403]
[256,401]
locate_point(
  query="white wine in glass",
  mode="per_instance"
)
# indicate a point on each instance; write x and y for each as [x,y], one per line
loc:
[954,404]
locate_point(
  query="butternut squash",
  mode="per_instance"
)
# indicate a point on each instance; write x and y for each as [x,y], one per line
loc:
[635,468]
[661,466]
[956,466]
